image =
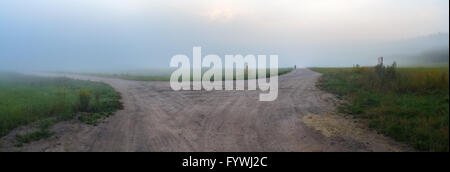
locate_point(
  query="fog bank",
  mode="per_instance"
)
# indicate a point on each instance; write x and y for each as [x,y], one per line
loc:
[85,35]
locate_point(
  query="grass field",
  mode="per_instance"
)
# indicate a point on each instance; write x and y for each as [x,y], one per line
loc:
[164,75]
[410,105]
[44,101]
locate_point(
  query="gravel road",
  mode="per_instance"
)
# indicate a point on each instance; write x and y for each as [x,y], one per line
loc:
[155,118]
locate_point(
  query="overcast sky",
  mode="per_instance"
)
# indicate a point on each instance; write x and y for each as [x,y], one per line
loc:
[140,34]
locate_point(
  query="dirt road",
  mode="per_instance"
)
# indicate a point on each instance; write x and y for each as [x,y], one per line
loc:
[156,118]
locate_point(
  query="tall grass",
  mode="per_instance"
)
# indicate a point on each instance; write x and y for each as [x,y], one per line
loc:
[408,104]
[26,99]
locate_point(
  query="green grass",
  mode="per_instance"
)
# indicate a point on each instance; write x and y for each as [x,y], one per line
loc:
[133,77]
[33,136]
[410,105]
[44,101]
[165,75]
[93,119]
[41,133]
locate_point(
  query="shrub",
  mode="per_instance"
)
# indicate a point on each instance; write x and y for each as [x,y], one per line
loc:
[85,97]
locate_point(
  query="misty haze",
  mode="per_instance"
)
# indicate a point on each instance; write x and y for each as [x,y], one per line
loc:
[107,35]
[350,75]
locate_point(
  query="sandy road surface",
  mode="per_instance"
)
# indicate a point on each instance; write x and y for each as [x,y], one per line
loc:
[156,118]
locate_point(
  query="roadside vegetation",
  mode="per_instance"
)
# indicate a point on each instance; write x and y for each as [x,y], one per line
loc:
[410,105]
[165,76]
[43,101]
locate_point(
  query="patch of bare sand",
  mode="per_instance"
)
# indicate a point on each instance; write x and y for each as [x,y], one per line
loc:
[338,125]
